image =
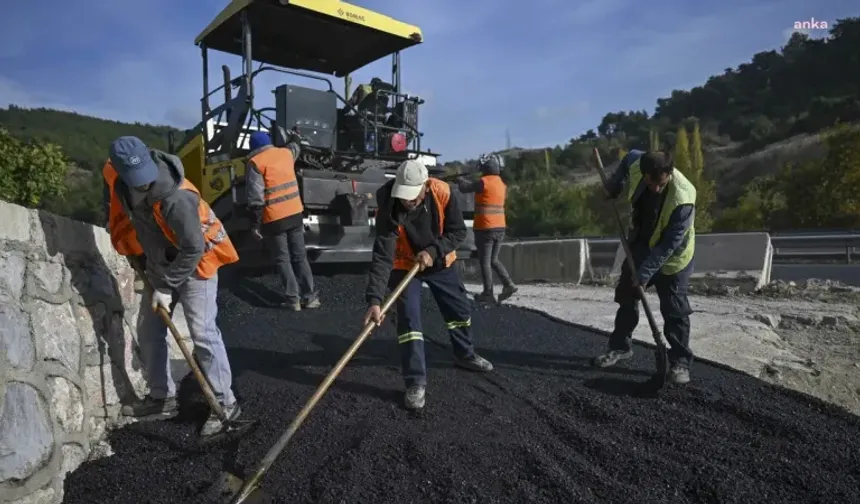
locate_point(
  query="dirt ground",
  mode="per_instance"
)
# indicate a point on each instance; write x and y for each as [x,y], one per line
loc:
[817,320]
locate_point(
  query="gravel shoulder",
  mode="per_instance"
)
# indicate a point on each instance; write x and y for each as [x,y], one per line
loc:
[801,338]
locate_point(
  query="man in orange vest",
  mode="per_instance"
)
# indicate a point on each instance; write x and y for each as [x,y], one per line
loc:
[185,245]
[489,227]
[418,220]
[276,213]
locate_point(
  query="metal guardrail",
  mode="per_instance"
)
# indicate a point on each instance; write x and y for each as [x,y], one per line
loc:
[789,246]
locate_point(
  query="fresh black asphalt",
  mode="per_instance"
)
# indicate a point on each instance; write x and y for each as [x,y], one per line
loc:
[542,428]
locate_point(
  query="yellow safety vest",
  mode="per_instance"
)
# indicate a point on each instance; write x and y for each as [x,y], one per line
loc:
[680,192]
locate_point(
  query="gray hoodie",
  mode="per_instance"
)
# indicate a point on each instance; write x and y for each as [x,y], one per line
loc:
[167,266]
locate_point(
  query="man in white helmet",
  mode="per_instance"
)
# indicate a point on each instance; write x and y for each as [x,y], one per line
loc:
[419,221]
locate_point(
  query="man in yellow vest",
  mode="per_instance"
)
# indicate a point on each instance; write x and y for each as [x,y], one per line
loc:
[489,226]
[418,220]
[185,245]
[276,213]
[662,238]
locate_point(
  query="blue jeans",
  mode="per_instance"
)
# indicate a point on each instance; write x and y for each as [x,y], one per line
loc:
[199,300]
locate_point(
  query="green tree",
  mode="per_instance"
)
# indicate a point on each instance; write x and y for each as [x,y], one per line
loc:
[697,157]
[757,209]
[682,152]
[30,171]
[840,177]
[543,207]
[814,194]
[653,139]
[705,192]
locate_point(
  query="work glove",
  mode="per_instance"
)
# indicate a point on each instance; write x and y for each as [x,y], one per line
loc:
[163,298]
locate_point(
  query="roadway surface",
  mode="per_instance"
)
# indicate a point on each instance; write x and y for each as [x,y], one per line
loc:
[542,428]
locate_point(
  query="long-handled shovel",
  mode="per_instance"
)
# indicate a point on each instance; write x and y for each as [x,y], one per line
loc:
[249,486]
[659,379]
[230,429]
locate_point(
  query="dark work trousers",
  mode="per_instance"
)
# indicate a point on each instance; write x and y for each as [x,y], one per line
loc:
[291,264]
[674,306]
[450,295]
[489,242]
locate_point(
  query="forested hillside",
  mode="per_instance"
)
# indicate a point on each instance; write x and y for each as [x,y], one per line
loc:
[83,141]
[747,137]
[747,133]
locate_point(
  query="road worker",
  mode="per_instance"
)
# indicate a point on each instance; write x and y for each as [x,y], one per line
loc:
[362,91]
[489,227]
[662,239]
[276,214]
[418,220]
[185,245]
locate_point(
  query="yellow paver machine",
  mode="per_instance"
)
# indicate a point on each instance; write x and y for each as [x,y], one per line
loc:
[352,145]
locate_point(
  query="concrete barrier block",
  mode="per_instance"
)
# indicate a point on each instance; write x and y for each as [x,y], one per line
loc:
[743,260]
[538,261]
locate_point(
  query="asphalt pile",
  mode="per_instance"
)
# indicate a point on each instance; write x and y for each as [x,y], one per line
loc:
[542,428]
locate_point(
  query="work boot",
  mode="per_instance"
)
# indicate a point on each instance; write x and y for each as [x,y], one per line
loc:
[679,375]
[151,408]
[292,305]
[611,358]
[507,292]
[414,397]
[485,297]
[474,363]
[314,303]
[213,424]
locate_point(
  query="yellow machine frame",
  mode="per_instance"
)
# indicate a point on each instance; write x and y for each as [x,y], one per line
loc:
[323,36]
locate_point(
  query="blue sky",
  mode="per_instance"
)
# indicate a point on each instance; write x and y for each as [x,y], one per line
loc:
[545,70]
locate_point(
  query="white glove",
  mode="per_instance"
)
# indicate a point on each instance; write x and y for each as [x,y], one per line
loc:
[161,297]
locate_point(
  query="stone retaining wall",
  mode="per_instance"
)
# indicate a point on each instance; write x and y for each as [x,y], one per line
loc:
[68,352]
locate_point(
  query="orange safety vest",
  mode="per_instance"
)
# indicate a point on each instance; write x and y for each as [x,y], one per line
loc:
[123,236]
[490,204]
[218,250]
[281,196]
[404,257]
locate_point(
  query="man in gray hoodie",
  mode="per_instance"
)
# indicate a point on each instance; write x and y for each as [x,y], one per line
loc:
[184,245]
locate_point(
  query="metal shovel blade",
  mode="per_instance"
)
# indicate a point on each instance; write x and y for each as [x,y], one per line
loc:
[658,380]
[228,486]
